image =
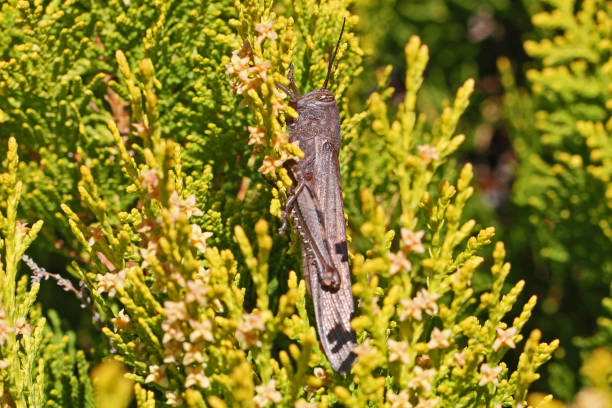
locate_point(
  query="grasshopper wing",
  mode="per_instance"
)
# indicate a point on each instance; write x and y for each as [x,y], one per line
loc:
[334,309]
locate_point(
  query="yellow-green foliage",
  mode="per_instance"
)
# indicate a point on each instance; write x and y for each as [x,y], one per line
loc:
[178,312]
[172,227]
[66,377]
[52,83]
[561,129]
[38,366]
[562,138]
[58,89]
[21,328]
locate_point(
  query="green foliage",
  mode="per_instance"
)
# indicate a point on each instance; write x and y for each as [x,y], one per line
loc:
[21,328]
[66,369]
[562,138]
[561,130]
[177,313]
[465,37]
[455,31]
[59,106]
[149,130]
[52,81]
[39,366]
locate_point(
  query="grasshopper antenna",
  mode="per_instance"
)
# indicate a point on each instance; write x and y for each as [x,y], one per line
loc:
[331,60]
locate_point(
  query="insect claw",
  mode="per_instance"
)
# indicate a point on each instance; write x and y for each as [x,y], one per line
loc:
[291,82]
[283,227]
[290,74]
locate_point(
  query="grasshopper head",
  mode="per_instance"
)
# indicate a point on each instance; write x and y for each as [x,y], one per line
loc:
[321,97]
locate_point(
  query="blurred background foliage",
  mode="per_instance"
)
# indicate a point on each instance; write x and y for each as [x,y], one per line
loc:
[538,132]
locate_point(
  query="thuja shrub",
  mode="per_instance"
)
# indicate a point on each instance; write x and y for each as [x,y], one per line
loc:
[173,193]
[39,365]
[561,128]
[58,82]
[561,136]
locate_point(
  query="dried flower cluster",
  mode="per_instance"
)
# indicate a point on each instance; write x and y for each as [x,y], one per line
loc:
[250,67]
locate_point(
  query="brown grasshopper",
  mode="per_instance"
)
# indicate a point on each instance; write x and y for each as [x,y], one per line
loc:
[316,208]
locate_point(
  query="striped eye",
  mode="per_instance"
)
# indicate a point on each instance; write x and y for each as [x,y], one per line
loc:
[325,97]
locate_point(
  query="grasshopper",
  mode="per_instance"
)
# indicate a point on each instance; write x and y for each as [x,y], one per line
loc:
[316,209]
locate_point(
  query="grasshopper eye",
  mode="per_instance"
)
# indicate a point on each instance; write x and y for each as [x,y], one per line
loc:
[325,97]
